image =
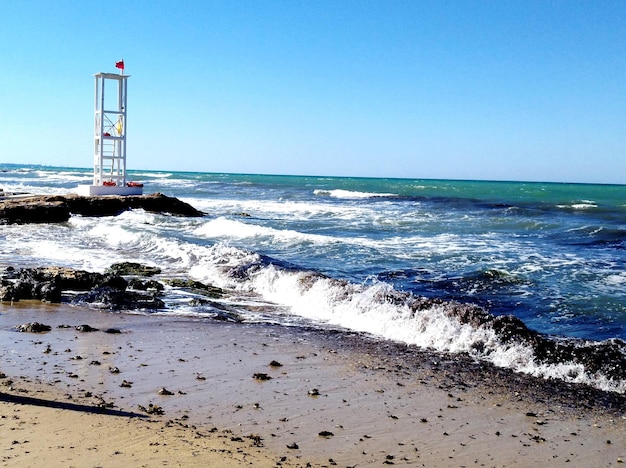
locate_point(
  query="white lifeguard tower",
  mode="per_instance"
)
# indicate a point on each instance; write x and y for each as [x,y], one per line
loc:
[110,131]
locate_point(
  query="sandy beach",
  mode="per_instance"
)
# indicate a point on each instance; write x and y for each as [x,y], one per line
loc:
[148,390]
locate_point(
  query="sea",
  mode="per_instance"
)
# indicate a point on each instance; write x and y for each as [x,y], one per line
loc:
[327,253]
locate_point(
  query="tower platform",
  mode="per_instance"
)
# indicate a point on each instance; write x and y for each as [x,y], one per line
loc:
[98,190]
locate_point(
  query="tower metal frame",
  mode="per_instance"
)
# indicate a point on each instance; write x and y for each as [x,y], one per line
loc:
[110,128]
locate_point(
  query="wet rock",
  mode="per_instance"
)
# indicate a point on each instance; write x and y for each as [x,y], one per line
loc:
[196,287]
[66,278]
[27,211]
[85,328]
[7,293]
[226,316]
[132,268]
[325,434]
[261,376]
[275,364]
[48,283]
[116,299]
[151,409]
[140,285]
[113,331]
[114,281]
[50,292]
[33,327]
[165,392]
[220,311]
[58,208]
[45,283]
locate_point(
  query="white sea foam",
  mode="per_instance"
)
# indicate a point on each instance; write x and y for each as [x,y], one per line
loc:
[62,176]
[281,209]
[339,193]
[580,205]
[156,175]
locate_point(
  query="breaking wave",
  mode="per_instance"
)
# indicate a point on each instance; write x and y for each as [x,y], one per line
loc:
[376,308]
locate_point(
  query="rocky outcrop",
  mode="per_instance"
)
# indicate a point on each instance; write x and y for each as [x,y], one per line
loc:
[59,208]
[108,290]
[56,285]
[25,211]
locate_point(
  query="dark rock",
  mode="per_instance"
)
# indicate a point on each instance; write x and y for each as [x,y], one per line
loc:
[132,268]
[113,281]
[151,409]
[116,299]
[165,392]
[50,292]
[140,285]
[224,316]
[48,284]
[7,293]
[33,327]
[105,296]
[25,211]
[85,328]
[326,434]
[261,376]
[196,287]
[58,208]
[65,278]
[114,205]
[113,331]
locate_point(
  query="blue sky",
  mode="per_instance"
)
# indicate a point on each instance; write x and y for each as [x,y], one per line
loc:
[503,90]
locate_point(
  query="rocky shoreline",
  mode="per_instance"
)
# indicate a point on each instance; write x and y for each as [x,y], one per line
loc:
[123,286]
[130,286]
[59,208]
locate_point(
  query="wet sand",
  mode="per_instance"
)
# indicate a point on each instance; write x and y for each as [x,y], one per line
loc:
[260,395]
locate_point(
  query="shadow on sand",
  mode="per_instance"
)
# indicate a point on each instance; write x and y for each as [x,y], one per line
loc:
[27,400]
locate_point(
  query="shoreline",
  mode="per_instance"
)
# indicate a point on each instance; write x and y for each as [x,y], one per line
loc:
[336,398]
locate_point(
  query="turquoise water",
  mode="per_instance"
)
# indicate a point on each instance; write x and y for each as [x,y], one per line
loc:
[553,255]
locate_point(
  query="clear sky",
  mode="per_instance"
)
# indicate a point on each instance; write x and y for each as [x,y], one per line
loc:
[507,90]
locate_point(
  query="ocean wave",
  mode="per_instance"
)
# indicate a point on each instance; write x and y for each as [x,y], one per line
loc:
[339,193]
[279,209]
[579,205]
[283,290]
[155,175]
[380,310]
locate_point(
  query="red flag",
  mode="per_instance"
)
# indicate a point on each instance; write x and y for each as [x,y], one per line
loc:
[120,64]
